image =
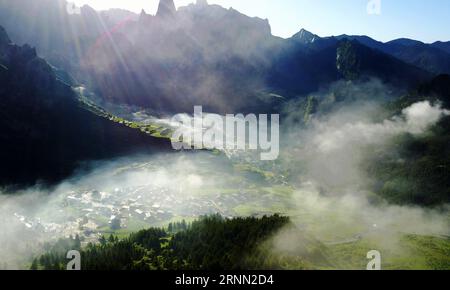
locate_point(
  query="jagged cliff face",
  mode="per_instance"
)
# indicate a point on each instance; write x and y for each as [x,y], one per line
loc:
[202,2]
[166,8]
[197,55]
[305,37]
[59,34]
[4,42]
[202,54]
[4,38]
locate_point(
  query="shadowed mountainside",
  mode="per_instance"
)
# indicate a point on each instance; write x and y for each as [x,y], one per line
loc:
[45,132]
[197,55]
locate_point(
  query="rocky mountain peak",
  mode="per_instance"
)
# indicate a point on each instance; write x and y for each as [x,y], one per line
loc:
[202,2]
[166,8]
[305,37]
[4,38]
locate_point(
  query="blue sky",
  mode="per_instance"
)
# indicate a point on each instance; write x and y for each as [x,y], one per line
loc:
[419,19]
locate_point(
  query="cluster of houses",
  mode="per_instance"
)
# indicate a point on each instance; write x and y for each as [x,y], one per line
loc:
[90,213]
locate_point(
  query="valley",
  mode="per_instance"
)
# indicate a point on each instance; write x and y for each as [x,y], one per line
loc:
[87,164]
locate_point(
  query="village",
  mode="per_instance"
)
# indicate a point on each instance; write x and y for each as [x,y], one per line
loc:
[92,213]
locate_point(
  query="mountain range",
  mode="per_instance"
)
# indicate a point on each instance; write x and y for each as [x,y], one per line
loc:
[165,63]
[206,54]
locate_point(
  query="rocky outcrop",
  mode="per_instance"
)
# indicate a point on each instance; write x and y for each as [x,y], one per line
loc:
[4,40]
[202,2]
[166,8]
[305,37]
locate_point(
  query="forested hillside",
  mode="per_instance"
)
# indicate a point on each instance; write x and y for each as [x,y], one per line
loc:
[45,131]
[215,243]
[415,169]
[209,243]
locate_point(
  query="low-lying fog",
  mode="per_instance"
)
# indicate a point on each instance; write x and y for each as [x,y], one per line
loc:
[317,181]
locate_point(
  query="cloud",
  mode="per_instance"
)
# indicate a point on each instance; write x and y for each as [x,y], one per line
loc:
[328,196]
[331,202]
[340,132]
[422,115]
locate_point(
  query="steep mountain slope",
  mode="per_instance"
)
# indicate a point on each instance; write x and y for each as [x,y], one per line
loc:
[304,67]
[365,40]
[421,55]
[200,55]
[45,133]
[204,55]
[224,60]
[166,8]
[62,34]
[355,60]
[414,169]
[434,58]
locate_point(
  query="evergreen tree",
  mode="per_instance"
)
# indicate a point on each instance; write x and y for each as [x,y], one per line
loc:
[211,243]
[102,240]
[34,265]
[77,243]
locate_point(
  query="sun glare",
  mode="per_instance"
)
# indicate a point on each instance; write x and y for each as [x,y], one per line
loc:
[149,6]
